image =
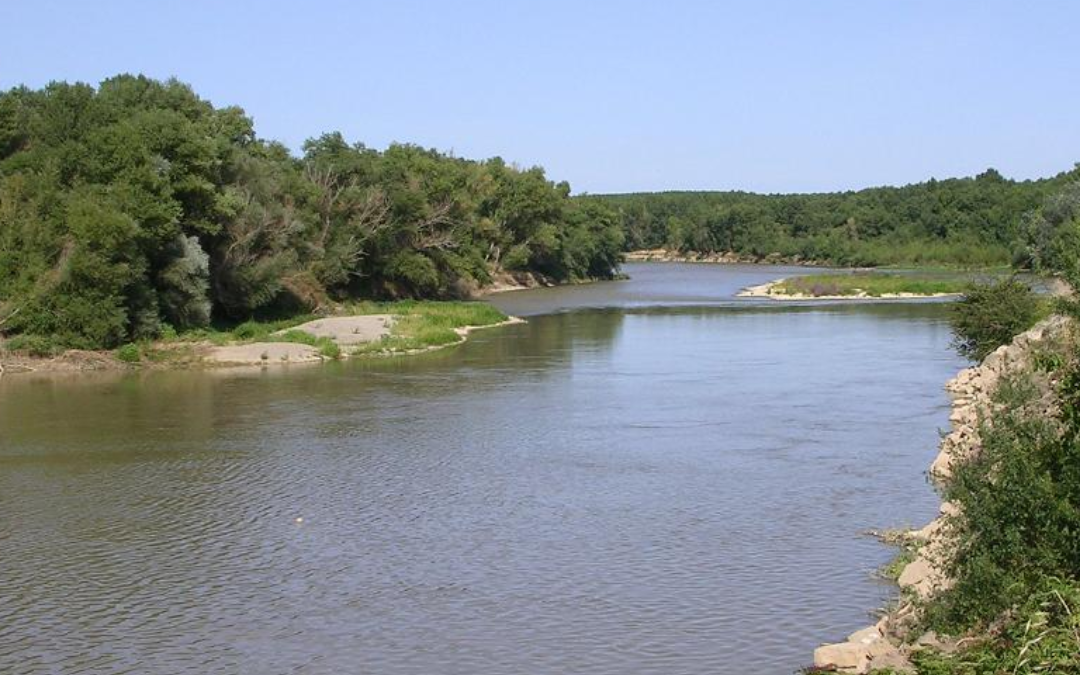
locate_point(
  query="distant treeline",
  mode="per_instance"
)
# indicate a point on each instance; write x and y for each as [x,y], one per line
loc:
[961,221]
[137,208]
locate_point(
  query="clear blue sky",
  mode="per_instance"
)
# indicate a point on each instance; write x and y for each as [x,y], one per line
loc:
[762,95]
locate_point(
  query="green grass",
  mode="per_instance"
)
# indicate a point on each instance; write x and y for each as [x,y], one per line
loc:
[871,284]
[424,324]
[129,353]
[895,567]
[249,331]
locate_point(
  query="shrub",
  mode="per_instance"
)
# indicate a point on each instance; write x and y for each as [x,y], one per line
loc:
[990,315]
[1041,636]
[185,284]
[33,345]
[129,353]
[1019,500]
[249,330]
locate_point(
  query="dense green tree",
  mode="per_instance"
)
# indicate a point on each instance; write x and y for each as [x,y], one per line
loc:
[966,221]
[137,204]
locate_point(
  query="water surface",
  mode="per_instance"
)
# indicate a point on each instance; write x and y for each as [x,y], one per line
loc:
[663,480]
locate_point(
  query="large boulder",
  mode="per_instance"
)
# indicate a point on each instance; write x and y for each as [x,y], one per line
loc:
[848,657]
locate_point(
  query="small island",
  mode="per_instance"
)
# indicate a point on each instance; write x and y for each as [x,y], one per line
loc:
[858,286]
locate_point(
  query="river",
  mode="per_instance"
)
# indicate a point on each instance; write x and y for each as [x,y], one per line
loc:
[650,476]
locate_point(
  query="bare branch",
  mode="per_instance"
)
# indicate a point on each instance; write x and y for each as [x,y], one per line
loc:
[438,230]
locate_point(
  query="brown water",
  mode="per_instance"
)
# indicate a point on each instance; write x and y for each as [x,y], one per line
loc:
[670,481]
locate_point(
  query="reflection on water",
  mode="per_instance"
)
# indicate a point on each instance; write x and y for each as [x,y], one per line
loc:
[656,487]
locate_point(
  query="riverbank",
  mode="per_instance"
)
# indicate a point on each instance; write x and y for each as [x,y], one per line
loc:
[724,258]
[857,285]
[900,635]
[506,282]
[357,331]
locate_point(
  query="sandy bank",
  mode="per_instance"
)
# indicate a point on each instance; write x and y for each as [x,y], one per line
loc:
[348,330]
[771,291]
[502,282]
[262,353]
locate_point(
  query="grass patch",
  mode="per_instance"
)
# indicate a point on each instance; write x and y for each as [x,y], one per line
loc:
[870,284]
[424,324]
[248,331]
[895,567]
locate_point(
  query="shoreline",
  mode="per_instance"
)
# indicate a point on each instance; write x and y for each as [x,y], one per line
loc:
[206,356]
[724,258]
[509,282]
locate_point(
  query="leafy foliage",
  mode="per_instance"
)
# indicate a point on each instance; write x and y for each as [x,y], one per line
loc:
[138,206]
[990,315]
[1041,636]
[973,222]
[1051,235]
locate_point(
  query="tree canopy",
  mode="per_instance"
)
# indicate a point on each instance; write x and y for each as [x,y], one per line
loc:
[137,205]
[960,221]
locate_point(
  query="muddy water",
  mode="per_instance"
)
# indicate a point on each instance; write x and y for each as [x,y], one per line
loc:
[663,480]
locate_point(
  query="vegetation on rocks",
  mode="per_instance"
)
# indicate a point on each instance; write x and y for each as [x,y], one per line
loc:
[990,315]
[1011,546]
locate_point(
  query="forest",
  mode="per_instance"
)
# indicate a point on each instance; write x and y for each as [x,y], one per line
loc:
[137,208]
[970,222]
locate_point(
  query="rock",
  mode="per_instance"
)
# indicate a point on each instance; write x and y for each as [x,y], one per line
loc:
[847,657]
[885,654]
[866,636]
[921,576]
[932,640]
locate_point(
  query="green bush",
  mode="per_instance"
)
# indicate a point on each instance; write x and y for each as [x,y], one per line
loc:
[250,330]
[1019,499]
[990,315]
[1041,636]
[33,345]
[129,353]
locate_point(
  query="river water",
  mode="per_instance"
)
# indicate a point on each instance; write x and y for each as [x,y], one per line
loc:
[650,476]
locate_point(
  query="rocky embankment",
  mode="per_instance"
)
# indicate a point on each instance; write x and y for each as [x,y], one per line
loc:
[890,641]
